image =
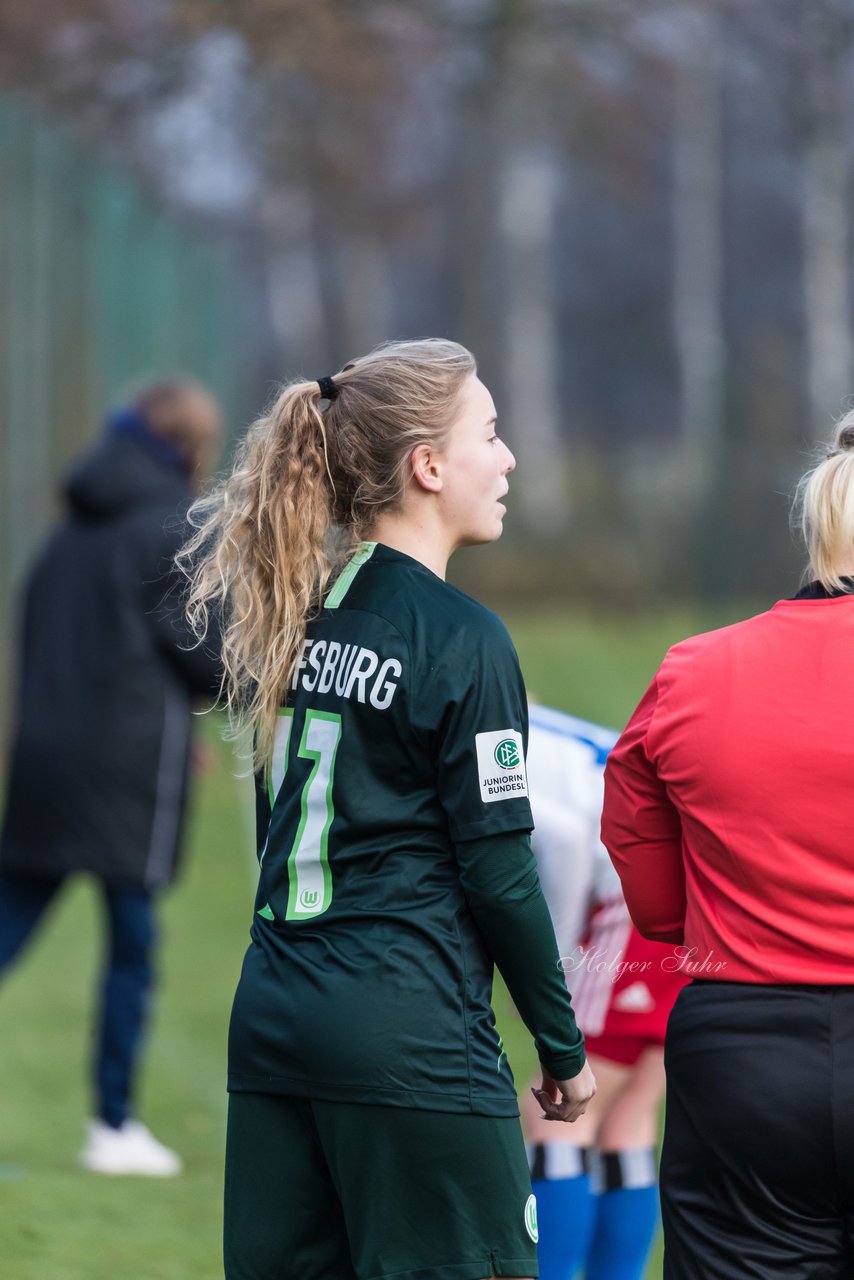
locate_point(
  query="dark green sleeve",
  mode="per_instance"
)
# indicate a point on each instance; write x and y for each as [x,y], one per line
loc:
[499,879]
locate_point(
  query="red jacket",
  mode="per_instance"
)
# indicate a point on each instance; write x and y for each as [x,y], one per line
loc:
[729,798]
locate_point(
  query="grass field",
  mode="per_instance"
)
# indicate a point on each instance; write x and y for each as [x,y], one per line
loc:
[58,1223]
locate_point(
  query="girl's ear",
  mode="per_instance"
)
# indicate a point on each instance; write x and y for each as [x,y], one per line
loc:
[426,468]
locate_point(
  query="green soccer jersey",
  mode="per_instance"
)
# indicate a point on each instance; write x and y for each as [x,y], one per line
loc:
[366,979]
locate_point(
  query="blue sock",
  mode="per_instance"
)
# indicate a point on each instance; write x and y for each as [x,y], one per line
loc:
[626,1218]
[565,1209]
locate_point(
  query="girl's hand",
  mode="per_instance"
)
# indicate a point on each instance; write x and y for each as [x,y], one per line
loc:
[566,1099]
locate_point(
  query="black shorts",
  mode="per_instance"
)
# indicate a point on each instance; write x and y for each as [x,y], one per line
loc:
[323,1190]
[757,1168]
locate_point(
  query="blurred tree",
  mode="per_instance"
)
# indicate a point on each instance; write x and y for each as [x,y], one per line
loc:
[490,91]
[635,211]
[102,61]
[698,251]
[826,43]
[334,83]
[698,280]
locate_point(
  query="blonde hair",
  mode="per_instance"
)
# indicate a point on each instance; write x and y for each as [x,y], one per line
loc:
[824,510]
[263,551]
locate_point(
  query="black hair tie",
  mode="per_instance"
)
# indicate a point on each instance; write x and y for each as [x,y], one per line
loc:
[328,389]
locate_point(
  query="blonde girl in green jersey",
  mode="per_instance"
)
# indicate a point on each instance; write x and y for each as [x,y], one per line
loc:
[373,1124]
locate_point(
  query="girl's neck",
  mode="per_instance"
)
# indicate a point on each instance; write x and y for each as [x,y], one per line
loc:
[414,537]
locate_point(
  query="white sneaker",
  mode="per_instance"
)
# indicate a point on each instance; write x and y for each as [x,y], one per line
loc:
[130,1149]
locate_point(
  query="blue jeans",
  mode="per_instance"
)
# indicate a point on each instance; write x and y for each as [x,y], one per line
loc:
[126,984]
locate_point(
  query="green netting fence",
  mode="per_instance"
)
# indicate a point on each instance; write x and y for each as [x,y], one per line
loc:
[100,287]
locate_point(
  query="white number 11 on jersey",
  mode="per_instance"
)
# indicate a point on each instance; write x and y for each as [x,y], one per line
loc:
[309,878]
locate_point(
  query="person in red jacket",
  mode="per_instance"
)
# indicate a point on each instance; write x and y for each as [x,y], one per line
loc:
[729,815]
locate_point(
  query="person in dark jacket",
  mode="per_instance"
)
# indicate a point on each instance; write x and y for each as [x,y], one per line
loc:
[99,761]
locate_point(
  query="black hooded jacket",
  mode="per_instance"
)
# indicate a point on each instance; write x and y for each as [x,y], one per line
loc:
[99,760]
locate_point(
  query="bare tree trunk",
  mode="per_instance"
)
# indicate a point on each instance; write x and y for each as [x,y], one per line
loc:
[364,286]
[296,297]
[698,248]
[527,209]
[469,253]
[829,334]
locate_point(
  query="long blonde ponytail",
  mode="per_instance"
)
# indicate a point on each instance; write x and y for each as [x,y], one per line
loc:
[262,553]
[273,511]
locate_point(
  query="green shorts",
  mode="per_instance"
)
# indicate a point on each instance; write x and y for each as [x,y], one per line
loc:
[343,1191]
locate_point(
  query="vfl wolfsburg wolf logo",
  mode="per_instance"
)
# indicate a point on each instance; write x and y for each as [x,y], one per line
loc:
[507,754]
[531,1218]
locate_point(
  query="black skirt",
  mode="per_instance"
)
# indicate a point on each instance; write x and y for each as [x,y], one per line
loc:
[757,1170]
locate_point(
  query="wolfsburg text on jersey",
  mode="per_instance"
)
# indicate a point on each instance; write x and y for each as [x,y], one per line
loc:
[351,669]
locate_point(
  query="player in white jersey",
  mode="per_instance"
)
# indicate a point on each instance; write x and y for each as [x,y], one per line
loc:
[596,1185]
